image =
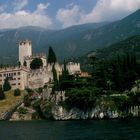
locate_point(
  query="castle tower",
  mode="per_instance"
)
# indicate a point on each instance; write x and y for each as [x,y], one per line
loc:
[25,50]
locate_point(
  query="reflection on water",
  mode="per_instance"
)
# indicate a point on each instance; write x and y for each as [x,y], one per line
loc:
[71,130]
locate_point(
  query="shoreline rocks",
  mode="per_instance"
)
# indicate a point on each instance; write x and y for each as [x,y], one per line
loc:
[27,116]
[60,113]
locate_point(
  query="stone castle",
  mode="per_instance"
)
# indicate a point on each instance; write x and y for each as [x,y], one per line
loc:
[23,77]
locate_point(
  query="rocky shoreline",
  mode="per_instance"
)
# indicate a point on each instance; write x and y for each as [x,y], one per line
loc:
[61,113]
[24,113]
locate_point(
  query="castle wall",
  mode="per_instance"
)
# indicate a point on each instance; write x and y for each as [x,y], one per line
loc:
[44,61]
[23,77]
[38,78]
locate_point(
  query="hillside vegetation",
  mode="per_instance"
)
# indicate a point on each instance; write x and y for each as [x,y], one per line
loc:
[129,45]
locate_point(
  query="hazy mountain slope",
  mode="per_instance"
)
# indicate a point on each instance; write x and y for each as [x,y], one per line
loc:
[70,42]
[79,44]
[41,39]
[9,41]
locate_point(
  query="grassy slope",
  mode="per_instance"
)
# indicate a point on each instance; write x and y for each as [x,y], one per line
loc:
[10,101]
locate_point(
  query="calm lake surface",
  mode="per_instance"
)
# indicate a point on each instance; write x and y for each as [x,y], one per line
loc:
[71,130]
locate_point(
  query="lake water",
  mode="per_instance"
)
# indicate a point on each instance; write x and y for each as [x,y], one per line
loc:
[71,130]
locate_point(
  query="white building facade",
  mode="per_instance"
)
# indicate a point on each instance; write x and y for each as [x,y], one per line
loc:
[18,77]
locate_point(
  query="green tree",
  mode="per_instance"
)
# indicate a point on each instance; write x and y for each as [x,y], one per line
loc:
[25,63]
[22,110]
[36,63]
[2,95]
[51,56]
[55,80]
[6,85]
[82,98]
[19,64]
[54,73]
[64,79]
[17,92]
[65,72]
[1,66]
[40,90]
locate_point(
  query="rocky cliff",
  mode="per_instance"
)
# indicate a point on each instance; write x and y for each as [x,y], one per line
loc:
[61,113]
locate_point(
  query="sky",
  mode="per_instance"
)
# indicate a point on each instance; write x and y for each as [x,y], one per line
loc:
[57,14]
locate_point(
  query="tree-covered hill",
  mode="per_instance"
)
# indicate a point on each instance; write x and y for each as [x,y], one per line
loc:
[130,45]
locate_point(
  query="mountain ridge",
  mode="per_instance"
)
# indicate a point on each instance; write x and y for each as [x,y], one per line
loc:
[74,41]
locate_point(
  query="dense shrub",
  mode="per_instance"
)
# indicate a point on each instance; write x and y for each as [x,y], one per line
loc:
[17,92]
[6,85]
[30,91]
[36,63]
[22,110]
[36,105]
[2,95]
[27,101]
[84,98]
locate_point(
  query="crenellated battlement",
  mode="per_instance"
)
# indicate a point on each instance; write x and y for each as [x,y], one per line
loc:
[73,67]
[24,42]
[13,68]
[39,55]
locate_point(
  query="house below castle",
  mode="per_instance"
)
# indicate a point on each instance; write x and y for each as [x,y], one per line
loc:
[17,77]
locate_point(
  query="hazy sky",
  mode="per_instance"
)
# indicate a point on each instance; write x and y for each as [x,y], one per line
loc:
[62,13]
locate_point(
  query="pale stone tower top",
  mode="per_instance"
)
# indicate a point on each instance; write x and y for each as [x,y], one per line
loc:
[25,49]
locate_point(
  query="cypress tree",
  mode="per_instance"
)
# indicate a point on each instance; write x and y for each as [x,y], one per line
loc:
[64,78]
[55,81]
[51,56]
[54,73]
[19,64]
[65,72]
[25,63]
